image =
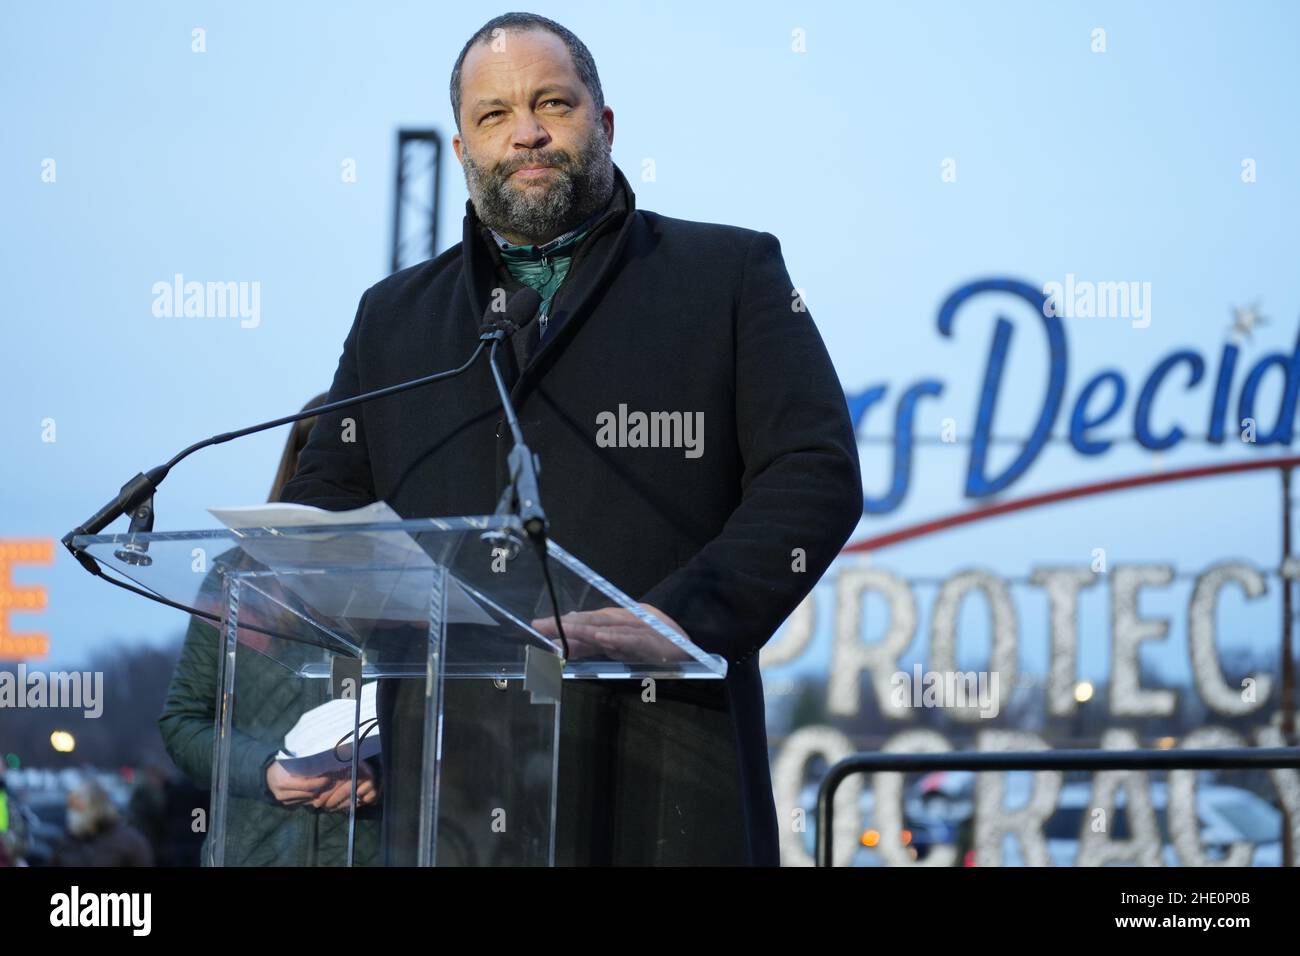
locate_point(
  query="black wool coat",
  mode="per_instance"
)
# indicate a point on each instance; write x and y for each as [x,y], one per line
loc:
[657,314]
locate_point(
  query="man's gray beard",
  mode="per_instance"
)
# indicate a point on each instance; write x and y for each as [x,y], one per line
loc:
[579,189]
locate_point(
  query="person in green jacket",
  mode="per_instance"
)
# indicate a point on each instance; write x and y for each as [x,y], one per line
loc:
[273,818]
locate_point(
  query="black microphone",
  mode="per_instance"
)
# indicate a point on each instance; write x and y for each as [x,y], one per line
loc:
[520,311]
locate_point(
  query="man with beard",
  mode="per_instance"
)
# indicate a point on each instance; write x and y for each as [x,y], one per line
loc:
[639,311]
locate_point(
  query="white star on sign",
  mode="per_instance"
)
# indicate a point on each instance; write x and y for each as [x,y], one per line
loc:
[1245,320]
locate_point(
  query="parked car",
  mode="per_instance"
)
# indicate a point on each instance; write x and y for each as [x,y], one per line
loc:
[45,830]
[1225,815]
[869,835]
[941,805]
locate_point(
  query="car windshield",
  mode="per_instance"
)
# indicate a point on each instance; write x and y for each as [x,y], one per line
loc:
[1253,818]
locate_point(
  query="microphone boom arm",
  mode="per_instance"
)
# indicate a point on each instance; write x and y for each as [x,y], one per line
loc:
[142,487]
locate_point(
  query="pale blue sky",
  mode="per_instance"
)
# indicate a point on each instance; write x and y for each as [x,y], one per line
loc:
[225,165]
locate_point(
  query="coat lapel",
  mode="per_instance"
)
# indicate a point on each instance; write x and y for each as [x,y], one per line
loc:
[477,269]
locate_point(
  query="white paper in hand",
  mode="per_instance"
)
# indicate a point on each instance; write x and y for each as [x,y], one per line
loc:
[310,747]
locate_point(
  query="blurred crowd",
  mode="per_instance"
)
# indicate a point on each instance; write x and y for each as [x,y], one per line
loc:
[155,820]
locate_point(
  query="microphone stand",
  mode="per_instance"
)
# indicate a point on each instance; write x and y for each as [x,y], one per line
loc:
[521,496]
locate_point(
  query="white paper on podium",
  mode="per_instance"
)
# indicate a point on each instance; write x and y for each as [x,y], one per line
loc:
[399,592]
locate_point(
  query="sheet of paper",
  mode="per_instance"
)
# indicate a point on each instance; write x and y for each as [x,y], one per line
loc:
[395,588]
[309,747]
[281,514]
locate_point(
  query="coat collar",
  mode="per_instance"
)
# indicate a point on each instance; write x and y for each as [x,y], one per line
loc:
[591,270]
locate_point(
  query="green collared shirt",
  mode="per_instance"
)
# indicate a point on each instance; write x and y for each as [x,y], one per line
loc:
[543,267]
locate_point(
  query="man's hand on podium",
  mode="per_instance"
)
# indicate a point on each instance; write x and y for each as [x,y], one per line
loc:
[616,633]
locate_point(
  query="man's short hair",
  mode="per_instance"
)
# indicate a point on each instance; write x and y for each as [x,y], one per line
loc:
[521,22]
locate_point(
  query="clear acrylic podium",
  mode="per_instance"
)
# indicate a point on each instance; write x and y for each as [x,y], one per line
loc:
[343,620]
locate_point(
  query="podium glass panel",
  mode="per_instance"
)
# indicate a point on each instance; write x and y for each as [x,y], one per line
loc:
[419,638]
